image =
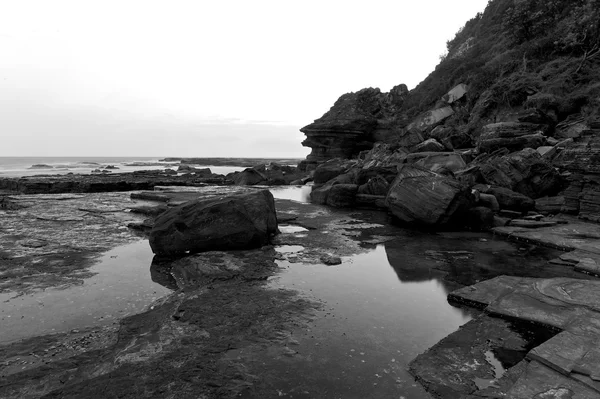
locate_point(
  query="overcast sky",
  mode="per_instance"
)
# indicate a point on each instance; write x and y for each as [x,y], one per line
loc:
[202,78]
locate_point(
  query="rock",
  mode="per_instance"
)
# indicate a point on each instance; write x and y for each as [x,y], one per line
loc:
[430,119]
[580,159]
[508,199]
[329,170]
[525,172]
[384,155]
[331,260]
[572,127]
[342,195]
[420,196]
[437,161]
[456,93]
[346,129]
[505,213]
[451,138]
[479,219]
[41,166]
[531,224]
[375,186]
[408,138]
[230,223]
[248,177]
[319,195]
[430,145]
[512,135]
[197,171]
[548,152]
[489,201]
[550,204]
[500,221]
[371,201]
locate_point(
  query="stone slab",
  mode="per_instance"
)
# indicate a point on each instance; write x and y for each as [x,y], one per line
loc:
[539,381]
[574,235]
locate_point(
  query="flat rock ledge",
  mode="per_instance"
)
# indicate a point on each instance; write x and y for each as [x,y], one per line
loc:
[567,365]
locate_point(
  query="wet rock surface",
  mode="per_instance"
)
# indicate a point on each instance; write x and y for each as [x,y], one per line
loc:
[227,331]
[236,222]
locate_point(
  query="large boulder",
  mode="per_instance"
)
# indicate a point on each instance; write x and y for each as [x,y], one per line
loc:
[512,135]
[420,196]
[230,223]
[525,172]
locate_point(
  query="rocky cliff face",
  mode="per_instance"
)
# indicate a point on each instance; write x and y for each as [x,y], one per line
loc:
[353,124]
[517,100]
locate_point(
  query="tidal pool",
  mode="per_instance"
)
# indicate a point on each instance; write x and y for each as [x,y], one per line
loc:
[381,309]
[121,287]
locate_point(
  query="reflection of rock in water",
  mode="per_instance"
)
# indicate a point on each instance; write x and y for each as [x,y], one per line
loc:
[160,272]
[408,260]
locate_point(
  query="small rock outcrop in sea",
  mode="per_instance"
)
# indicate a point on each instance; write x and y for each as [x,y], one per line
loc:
[235,222]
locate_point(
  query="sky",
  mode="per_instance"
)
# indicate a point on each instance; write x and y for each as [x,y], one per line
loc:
[202,78]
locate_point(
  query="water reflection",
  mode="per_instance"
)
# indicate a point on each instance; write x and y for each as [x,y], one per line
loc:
[465,258]
[119,288]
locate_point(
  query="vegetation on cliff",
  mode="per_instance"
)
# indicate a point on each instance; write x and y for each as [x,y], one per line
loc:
[521,53]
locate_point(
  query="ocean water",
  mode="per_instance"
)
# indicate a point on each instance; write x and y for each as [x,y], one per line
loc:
[29,166]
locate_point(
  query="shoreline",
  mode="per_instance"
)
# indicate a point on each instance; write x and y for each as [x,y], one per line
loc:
[308,238]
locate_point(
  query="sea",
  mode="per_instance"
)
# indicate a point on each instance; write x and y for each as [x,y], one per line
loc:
[30,166]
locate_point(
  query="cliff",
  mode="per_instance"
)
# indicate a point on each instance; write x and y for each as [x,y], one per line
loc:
[512,111]
[515,57]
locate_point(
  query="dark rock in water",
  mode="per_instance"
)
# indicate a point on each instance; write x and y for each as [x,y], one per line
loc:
[230,223]
[375,186]
[420,196]
[525,172]
[331,260]
[512,135]
[113,167]
[479,219]
[198,171]
[41,166]
[508,199]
